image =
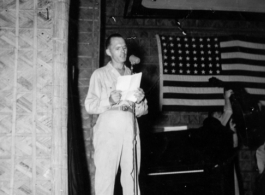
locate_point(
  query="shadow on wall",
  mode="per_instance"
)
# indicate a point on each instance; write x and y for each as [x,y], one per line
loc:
[149,83]
[78,172]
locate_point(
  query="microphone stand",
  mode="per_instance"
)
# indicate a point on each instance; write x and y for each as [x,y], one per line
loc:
[135,176]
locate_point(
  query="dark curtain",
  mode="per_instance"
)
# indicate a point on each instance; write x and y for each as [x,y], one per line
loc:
[78,172]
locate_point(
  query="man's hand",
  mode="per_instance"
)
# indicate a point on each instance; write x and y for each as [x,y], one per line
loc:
[139,94]
[115,97]
[228,93]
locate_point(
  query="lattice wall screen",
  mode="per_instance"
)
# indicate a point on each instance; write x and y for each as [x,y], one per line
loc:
[33,111]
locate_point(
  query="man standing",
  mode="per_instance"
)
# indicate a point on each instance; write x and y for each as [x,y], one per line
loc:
[116,124]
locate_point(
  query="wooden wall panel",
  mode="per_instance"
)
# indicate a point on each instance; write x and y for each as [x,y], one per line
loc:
[33,117]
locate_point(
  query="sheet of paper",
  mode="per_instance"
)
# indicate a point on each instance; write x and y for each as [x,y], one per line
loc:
[128,84]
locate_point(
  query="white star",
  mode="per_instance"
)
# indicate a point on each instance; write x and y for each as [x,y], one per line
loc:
[201,45]
[208,39]
[210,65]
[195,65]
[217,58]
[164,44]
[173,57]
[180,64]
[187,52]
[203,71]
[188,58]
[215,39]
[188,65]
[195,58]
[208,45]
[179,45]
[186,45]
[173,64]
[178,39]
[217,65]
[165,50]
[202,52]
[163,38]
[210,59]
[216,51]
[173,71]
[170,38]
[193,45]
[171,44]
[195,72]
[188,71]
[185,39]
[211,72]
[172,51]
[201,39]
[165,70]
[209,52]
[218,71]
[202,58]
[165,63]
[180,58]
[194,52]
[215,45]
[203,65]
[165,57]
[180,71]
[193,39]
[180,51]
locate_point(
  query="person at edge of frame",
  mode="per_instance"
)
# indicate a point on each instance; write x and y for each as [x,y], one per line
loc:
[260,158]
[113,133]
[220,142]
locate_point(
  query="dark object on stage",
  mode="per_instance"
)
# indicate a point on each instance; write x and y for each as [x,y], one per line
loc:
[260,187]
[188,162]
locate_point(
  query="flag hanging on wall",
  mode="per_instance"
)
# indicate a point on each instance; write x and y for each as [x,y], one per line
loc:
[187,64]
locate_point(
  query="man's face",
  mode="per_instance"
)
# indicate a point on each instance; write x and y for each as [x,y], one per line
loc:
[117,50]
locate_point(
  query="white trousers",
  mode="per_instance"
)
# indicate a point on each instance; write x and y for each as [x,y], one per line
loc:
[113,144]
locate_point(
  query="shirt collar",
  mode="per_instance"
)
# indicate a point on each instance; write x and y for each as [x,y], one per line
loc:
[113,70]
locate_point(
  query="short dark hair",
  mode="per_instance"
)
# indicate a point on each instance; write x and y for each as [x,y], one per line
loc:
[214,110]
[107,44]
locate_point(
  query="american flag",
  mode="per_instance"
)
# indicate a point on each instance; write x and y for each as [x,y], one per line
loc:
[187,64]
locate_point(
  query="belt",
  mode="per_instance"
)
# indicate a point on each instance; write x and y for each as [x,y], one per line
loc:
[124,108]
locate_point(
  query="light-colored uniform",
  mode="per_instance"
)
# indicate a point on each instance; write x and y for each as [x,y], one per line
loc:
[113,133]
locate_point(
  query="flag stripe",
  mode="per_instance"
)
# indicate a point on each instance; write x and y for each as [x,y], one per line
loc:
[192,90]
[191,96]
[243,61]
[206,84]
[243,73]
[242,50]
[202,108]
[242,55]
[208,90]
[245,67]
[202,96]
[239,43]
[225,78]
[194,102]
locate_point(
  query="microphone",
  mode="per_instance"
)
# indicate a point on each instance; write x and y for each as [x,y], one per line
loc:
[134,60]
